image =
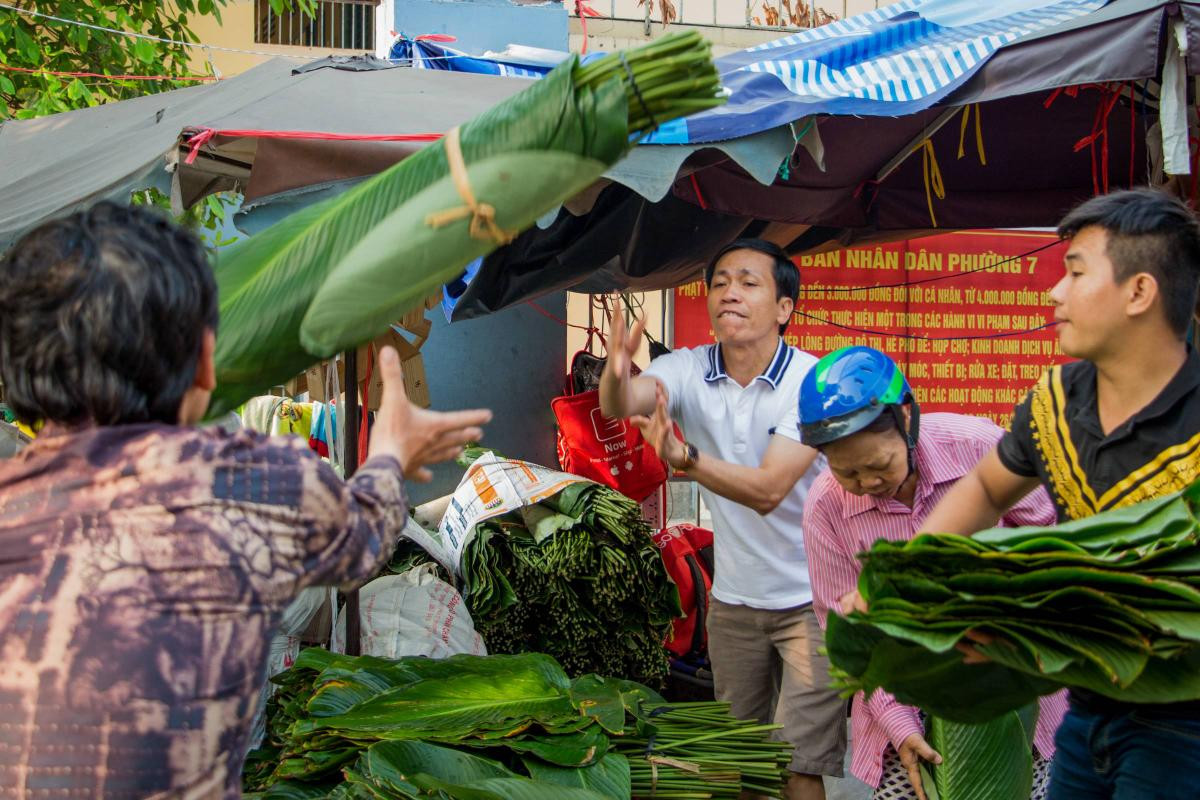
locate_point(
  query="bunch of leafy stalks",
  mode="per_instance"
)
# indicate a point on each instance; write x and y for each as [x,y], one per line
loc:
[682,747]
[668,78]
[495,728]
[578,577]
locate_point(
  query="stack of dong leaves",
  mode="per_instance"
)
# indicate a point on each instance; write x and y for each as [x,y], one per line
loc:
[1109,604]
[497,728]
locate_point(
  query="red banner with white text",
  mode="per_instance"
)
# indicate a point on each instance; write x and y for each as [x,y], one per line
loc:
[962,313]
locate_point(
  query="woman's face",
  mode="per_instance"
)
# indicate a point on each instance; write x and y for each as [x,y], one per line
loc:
[869,463]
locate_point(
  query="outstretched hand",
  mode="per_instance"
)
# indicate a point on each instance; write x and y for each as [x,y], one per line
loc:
[415,436]
[623,343]
[659,430]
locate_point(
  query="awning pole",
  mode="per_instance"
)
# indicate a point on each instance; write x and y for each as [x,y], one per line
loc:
[912,147]
[352,412]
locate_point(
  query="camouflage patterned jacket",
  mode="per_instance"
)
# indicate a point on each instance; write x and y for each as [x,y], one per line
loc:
[143,571]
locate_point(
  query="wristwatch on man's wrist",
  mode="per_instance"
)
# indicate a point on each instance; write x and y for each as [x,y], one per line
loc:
[690,456]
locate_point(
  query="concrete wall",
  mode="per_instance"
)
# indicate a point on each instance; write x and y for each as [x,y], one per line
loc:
[482,25]
[492,24]
[729,24]
[511,362]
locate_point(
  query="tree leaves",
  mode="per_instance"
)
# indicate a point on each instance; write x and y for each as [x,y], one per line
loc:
[62,45]
[26,47]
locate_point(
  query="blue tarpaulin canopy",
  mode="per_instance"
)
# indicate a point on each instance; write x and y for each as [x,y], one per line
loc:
[431,52]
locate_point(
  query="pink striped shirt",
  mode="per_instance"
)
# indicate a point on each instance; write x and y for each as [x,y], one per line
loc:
[838,524]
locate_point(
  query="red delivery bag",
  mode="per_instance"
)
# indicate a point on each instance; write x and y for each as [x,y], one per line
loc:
[608,451]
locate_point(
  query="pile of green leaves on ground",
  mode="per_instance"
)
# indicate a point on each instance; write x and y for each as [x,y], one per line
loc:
[338,273]
[496,728]
[1109,604]
[577,576]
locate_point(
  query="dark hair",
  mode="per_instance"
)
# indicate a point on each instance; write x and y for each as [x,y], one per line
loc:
[1148,231]
[784,270]
[103,318]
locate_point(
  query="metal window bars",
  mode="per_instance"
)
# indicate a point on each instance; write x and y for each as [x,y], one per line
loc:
[336,25]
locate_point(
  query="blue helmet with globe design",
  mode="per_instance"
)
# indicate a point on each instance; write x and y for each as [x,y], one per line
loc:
[849,389]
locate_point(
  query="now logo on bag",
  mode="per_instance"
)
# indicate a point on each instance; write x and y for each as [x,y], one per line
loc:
[602,449]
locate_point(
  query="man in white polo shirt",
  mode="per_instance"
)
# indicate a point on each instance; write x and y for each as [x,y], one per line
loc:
[737,402]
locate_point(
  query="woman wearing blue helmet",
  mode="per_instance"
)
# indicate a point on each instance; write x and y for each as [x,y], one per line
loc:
[888,467]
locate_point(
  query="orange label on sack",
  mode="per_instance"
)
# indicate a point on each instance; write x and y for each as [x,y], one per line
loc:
[484,489]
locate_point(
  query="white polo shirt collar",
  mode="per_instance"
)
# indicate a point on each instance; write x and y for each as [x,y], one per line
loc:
[771,375]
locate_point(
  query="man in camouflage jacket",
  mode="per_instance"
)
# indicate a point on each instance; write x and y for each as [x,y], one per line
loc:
[144,562]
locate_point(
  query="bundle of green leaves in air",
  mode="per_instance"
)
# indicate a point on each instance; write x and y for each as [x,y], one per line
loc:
[1109,604]
[577,576]
[496,728]
[338,273]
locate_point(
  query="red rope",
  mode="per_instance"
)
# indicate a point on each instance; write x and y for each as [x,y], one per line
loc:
[204,135]
[1099,134]
[1104,146]
[699,196]
[111,77]
[583,11]
[562,322]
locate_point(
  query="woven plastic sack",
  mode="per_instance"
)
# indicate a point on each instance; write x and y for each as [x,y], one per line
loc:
[414,614]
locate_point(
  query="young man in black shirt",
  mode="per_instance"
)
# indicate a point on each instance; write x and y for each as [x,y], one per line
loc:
[1118,426]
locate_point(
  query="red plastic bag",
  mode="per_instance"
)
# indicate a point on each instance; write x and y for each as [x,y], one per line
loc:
[608,451]
[687,554]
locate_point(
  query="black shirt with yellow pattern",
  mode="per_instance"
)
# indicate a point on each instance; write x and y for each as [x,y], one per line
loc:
[1056,436]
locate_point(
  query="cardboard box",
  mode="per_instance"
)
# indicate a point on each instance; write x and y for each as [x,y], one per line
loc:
[411,362]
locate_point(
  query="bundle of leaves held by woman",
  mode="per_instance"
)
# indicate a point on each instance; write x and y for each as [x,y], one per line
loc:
[1109,604]
[497,728]
[336,274]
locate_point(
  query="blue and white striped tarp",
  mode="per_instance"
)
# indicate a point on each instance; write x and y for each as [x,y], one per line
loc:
[423,54]
[889,62]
